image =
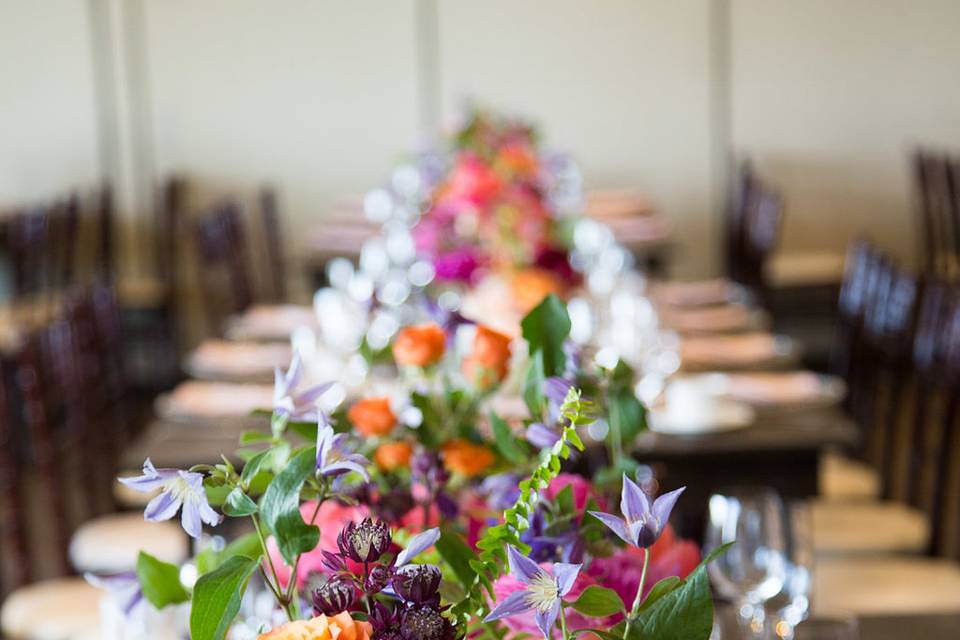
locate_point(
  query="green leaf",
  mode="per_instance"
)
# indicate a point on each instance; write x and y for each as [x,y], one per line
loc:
[280,507]
[250,437]
[661,589]
[565,501]
[681,611]
[458,554]
[598,602]
[507,443]
[216,598]
[239,504]
[545,328]
[247,546]
[533,384]
[627,415]
[160,581]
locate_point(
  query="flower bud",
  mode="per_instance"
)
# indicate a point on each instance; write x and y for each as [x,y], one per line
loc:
[377,579]
[333,597]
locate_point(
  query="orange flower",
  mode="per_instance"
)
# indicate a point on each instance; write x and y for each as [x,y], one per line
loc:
[531,286]
[466,458]
[338,627]
[393,455]
[372,416]
[488,364]
[420,345]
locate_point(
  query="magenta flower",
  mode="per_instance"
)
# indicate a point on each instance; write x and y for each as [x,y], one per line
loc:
[543,594]
[179,489]
[642,523]
[293,405]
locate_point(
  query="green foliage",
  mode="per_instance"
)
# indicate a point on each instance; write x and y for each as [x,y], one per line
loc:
[545,328]
[493,545]
[280,507]
[239,504]
[216,598]
[508,445]
[160,581]
[678,609]
[247,546]
[598,602]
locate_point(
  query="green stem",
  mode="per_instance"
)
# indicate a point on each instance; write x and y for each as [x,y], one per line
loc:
[292,596]
[636,601]
[281,600]
[563,623]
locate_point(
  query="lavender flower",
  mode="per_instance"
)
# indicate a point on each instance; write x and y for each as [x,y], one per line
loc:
[122,588]
[539,434]
[333,457]
[501,490]
[417,545]
[642,523]
[178,489]
[289,404]
[544,592]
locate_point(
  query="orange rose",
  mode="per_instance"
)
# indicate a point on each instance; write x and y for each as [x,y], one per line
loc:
[372,416]
[338,627]
[393,455]
[531,286]
[466,458]
[488,364]
[420,345]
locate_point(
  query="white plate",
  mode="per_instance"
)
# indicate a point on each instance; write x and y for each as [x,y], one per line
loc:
[728,415]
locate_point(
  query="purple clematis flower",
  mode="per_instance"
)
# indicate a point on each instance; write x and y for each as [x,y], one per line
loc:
[122,588]
[642,523]
[417,545]
[539,434]
[544,592]
[290,404]
[333,457]
[178,489]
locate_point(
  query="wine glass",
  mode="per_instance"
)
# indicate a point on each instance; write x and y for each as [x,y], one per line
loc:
[793,602]
[753,570]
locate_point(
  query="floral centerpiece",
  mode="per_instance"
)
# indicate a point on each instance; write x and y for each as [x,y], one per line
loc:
[460,523]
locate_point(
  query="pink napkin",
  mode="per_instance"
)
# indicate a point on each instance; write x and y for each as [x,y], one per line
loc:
[226,358]
[195,398]
[719,318]
[689,294]
[725,351]
[272,322]
[788,387]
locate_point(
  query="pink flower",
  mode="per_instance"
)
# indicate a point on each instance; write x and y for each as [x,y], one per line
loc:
[471,179]
[458,264]
[331,518]
[670,556]
[525,623]
[581,487]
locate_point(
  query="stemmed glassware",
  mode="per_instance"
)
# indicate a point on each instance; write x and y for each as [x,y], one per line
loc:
[754,569]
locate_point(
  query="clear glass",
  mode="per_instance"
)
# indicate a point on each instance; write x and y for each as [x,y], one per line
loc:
[754,569]
[793,602]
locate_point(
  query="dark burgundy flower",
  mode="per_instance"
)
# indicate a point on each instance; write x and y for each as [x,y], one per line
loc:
[333,597]
[426,623]
[418,583]
[385,622]
[378,579]
[365,541]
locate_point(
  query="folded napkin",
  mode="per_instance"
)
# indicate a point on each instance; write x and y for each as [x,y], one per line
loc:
[728,350]
[198,399]
[271,322]
[691,294]
[228,359]
[788,387]
[722,318]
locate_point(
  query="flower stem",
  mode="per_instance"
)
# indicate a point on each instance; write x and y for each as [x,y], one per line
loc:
[563,623]
[637,600]
[281,600]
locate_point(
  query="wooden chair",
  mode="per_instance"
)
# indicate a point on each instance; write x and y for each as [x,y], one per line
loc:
[14,550]
[28,247]
[939,226]
[223,263]
[736,222]
[276,268]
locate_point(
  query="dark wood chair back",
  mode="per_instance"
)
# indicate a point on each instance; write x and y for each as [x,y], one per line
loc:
[276,268]
[28,244]
[14,548]
[735,219]
[223,263]
[939,219]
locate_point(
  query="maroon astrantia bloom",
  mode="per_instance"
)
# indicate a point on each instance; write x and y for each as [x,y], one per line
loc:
[365,541]
[334,596]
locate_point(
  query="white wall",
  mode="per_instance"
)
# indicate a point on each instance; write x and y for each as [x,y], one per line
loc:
[831,96]
[323,96]
[48,136]
[622,84]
